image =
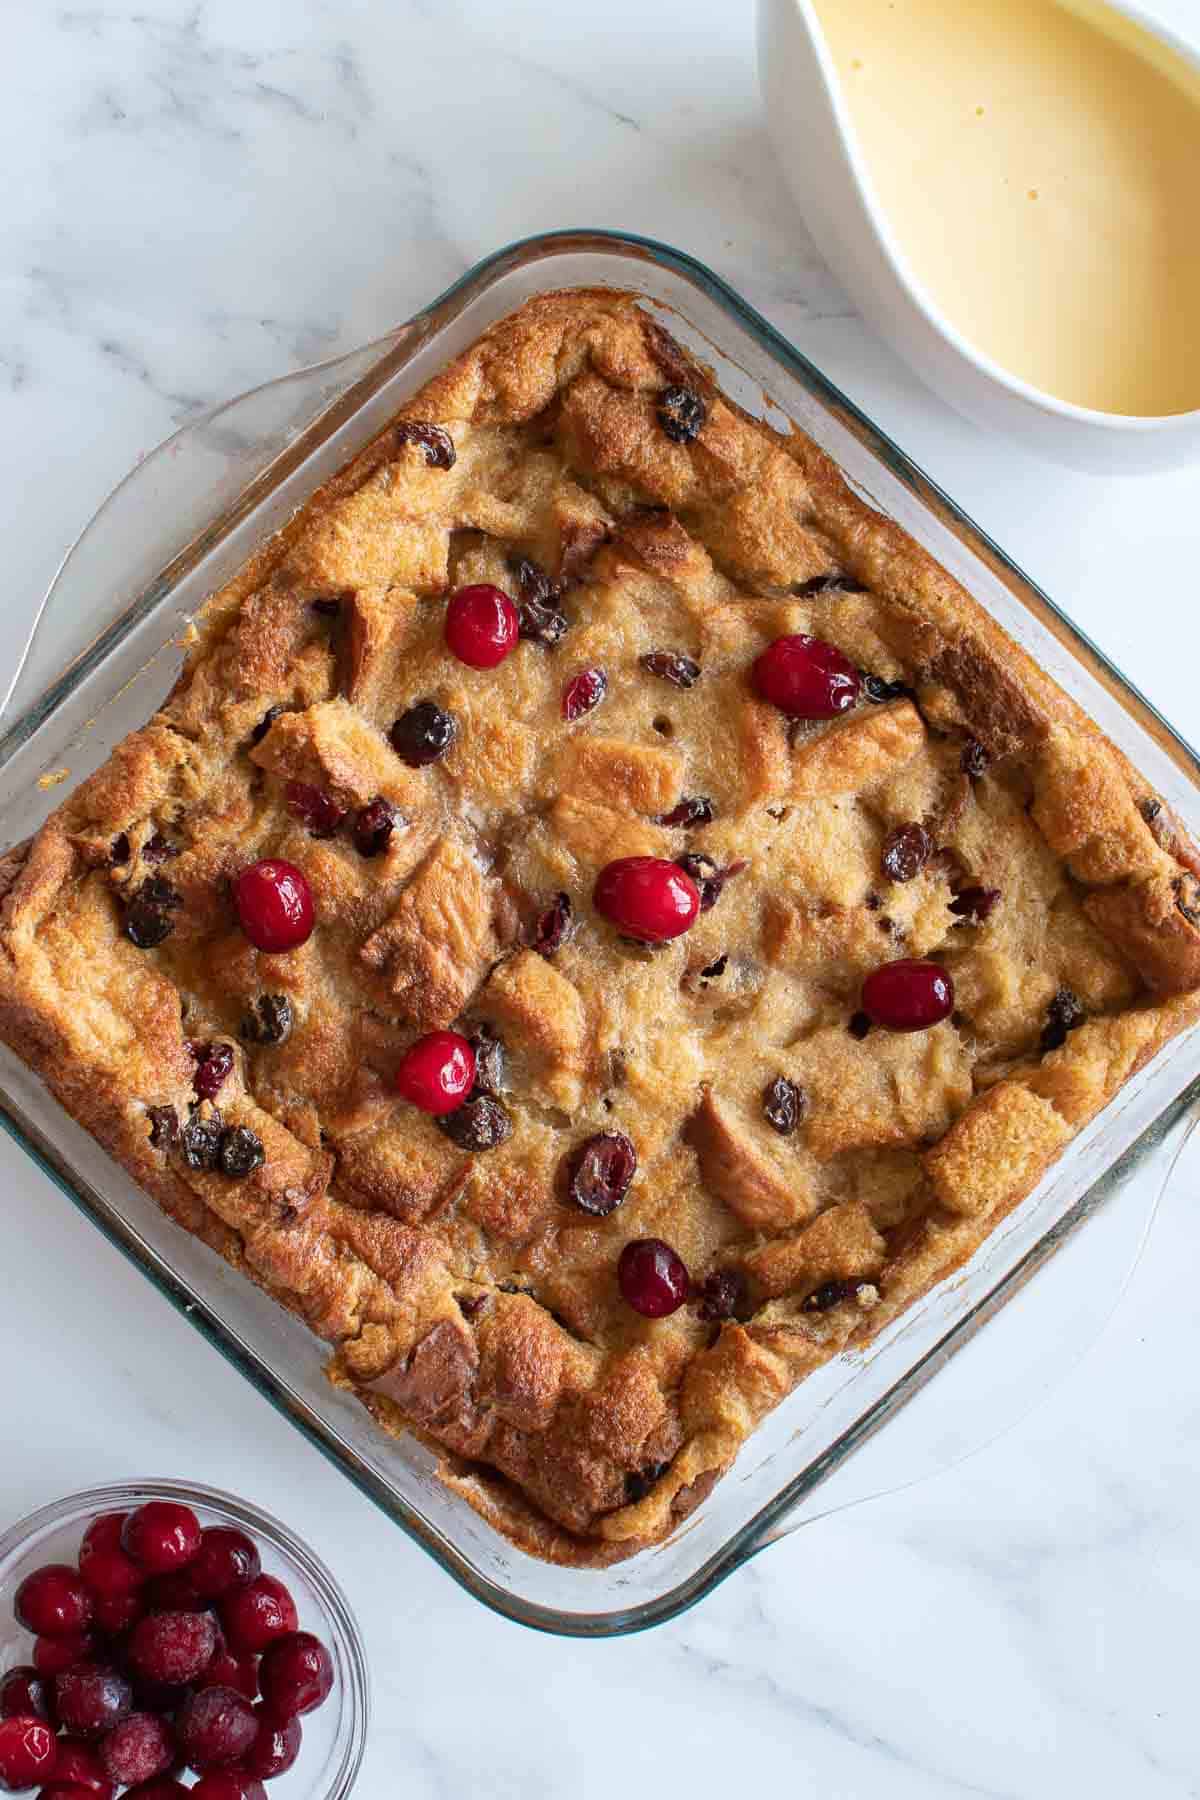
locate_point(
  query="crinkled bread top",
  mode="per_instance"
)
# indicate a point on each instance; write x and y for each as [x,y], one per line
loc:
[815,1173]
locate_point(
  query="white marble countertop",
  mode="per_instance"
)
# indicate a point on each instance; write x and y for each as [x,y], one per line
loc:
[200,194]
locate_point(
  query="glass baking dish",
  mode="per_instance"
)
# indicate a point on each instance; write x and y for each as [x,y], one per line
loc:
[106,649]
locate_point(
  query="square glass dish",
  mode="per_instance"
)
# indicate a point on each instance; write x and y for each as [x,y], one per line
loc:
[108,647]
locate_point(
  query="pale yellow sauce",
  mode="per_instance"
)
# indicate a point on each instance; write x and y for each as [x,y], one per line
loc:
[1039,165]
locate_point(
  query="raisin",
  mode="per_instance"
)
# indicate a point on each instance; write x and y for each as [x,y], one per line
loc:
[1187,898]
[859,1025]
[599,1172]
[552,926]
[877,690]
[329,606]
[314,808]
[541,620]
[682,414]
[164,1127]
[479,1124]
[240,1152]
[672,666]
[906,850]
[639,1481]
[713,970]
[213,1063]
[423,734]
[708,878]
[830,1293]
[827,584]
[265,723]
[784,1105]
[974,904]
[200,1141]
[434,440]
[270,1022]
[374,825]
[583,692]
[119,851]
[697,809]
[1150,808]
[1065,1013]
[722,1295]
[159,849]
[148,918]
[490,1073]
[974,759]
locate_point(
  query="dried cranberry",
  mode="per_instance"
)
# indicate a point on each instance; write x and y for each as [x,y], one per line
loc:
[829,1294]
[90,1700]
[481,1123]
[490,1072]
[172,1646]
[240,1152]
[481,625]
[277,1745]
[296,1674]
[51,1655]
[583,692]
[974,759]
[682,414]
[274,905]
[140,1748]
[213,1063]
[269,1021]
[437,1072]
[599,1172]
[227,1559]
[25,1693]
[200,1142]
[906,850]
[784,1105]
[672,666]
[697,810]
[647,898]
[215,1726]
[552,926]
[908,995]
[975,904]
[54,1602]
[805,677]
[652,1277]
[314,808]
[159,849]
[148,918]
[265,723]
[78,1769]
[1065,1013]
[161,1535]
[423,734]
[722,1295]
[434,440]
[226,1784]
[253,1616]
[27,1752]
[542,622]
[374,825]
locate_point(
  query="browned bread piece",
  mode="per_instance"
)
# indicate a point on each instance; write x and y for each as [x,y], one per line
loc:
[467,1296]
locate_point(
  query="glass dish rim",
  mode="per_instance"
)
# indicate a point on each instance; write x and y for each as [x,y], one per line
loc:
[116,1495]
[755,1532]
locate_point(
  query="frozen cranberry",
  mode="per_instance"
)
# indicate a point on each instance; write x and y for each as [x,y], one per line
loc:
[296,1673]
[255,1615]
[228,1670]
[806,678]
[652,1277]
[90,1700]
[647,897]
[215,1726]
[227,1558]
[173,1592]
[139,1748]
[25,1693]
[78,1765]
[105,1568]
[908,995]
[161,1535]
[437,1072]
[165,1787]
[583,692]
[53,1602]
[27,1752]
[316,809]
[51,1655]
[274,905]
[226,1784]
[115,1613]
[482,625]
[173,1646]
[277,1745]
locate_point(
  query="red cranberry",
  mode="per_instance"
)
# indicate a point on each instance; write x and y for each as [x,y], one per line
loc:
[53,1602]
[908,995]
[254,1616]
[806,678]
[583,692]
[274,905]
[228,1670]
[652,1277]
[647,897]
[51,1655]
[226,1784]
[115,1613]
[161,1535]
[276,1747]
[25,1694]
[296,1674]
[78,1768]
[437,1072]
[215,1726]
[139,1748]
[90,1700]
[227,1559]
[173,1646]
[27,1752]
[481,625]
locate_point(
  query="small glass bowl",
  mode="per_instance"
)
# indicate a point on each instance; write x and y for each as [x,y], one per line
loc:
[335,1734]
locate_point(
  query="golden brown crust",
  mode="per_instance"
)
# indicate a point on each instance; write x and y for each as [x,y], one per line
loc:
[466,1296]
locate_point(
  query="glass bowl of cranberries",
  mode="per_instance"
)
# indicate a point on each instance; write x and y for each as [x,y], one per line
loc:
[161,1641]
